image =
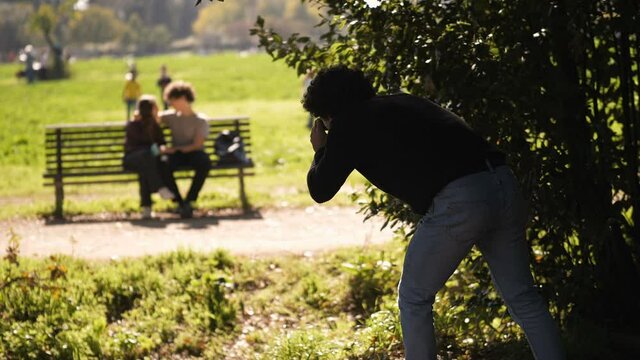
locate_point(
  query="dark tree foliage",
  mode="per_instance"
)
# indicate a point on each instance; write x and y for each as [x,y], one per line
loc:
[555,84]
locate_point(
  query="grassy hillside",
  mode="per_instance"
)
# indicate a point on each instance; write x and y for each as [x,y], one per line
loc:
[226,84]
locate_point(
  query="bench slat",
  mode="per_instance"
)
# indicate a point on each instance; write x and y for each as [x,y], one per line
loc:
[94,160]
[97,155]
[216,127]
[69,145]
[244,134]
[134,179]
[122,171]
[213,126]
[52,141]
[118,169]
[53,127]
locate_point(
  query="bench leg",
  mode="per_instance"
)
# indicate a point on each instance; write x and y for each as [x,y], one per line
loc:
[243,194]
[58,213]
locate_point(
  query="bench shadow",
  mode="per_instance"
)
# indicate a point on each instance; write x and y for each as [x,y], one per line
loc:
[200,220]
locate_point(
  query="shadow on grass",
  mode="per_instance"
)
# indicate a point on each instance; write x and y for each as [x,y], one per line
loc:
[201,219]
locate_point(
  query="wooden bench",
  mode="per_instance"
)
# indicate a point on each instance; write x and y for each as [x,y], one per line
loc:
[82,154]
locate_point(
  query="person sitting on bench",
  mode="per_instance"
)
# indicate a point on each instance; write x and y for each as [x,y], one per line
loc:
[189,130]
[144,149]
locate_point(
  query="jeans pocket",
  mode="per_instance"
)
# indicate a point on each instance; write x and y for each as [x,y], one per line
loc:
[465,221]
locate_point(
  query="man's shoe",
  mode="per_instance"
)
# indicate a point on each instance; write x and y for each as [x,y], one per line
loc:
[146,213]
[186,211]
[165,193]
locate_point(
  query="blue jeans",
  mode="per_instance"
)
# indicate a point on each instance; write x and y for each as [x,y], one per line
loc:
[131,106]
[485,209]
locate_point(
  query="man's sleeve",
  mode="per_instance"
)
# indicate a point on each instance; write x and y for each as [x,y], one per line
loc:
[330,168]
[203,129]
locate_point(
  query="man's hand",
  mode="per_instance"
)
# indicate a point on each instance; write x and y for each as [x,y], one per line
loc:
[167,150]
[318,135]
[198,144]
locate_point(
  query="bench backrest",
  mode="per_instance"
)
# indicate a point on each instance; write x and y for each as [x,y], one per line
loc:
[85,151]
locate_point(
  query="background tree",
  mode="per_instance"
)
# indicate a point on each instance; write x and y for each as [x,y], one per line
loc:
[214,23]
[51,19]
[176,15]
[96,25]
[13,32]
[121,26]
[139,38]
[228,24]
[556,85]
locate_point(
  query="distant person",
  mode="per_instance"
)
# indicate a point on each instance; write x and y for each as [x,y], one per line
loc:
[29,62]
[145,154]
[131,92]
[306,81]
[429,158]
[133,67]
[162,83]
[189,130]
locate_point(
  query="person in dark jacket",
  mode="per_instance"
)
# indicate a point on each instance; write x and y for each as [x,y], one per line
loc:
[162,83]
[145,149]
[428,157]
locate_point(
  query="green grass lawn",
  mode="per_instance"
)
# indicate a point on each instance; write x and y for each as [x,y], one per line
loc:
[226,84]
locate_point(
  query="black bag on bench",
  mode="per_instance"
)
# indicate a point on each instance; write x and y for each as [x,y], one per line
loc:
[229,148]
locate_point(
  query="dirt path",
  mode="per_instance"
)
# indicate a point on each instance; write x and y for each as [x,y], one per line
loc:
[270,231]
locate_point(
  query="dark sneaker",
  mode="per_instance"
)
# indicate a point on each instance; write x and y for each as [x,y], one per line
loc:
[186,211]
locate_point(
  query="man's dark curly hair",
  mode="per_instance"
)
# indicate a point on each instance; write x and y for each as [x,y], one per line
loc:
[178,89]
[335,89]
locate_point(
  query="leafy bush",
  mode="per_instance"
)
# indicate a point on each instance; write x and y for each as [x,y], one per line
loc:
[297,312]
[380,338]
[308,344]
[45,314]
[62,308]
[191,343]
[121,286]
[125,342]
[550,83]
[371,278]
[314,291]
[213,289]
